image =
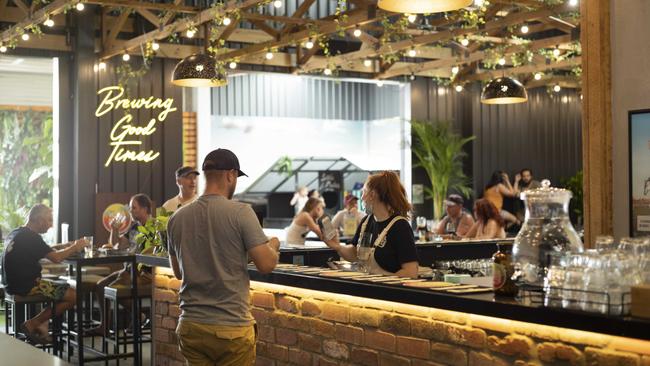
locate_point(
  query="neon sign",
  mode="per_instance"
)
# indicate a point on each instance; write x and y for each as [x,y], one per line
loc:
[124,133]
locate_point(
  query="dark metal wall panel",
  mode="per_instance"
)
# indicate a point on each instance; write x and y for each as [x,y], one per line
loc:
[275,95]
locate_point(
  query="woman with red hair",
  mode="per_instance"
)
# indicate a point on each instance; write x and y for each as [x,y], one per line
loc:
[489,223]
[384,242]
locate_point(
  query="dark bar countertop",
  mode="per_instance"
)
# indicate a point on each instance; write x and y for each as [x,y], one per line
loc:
[481,304]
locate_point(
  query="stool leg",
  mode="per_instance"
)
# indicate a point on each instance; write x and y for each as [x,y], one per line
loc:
[6,305]
[116,327]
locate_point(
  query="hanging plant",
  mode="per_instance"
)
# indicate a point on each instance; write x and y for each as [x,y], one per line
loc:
[394,31]
[341,17]
[522,58]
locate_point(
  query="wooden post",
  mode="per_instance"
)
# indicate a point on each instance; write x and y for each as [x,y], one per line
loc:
[596,118]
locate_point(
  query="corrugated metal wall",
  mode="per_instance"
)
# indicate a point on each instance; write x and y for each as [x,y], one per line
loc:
[278,95]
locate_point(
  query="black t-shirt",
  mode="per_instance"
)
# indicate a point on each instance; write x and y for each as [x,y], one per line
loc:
[20,266]
[400,243]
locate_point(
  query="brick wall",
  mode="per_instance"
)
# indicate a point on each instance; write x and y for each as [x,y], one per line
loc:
[305,327]
[189,139]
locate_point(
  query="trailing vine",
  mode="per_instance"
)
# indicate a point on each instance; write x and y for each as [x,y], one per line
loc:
[126,72]
[394,31]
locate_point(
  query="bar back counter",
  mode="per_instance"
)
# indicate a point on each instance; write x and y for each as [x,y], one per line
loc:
[312,320]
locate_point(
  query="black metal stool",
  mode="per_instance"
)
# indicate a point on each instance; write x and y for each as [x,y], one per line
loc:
[117,336]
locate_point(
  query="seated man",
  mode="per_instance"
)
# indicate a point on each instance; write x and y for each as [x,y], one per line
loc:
[141,207]
[458,221]
[22,270]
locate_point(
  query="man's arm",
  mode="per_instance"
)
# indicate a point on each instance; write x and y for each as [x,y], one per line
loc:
[58,256]
[62,245]
[265,256]
[173,262]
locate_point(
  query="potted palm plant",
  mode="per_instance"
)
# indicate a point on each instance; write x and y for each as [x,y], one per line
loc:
[439,151]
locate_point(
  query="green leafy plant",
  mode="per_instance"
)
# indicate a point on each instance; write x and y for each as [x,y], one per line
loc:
[439,151]
[575,185]
[26,164]
[285,165]
[152,235]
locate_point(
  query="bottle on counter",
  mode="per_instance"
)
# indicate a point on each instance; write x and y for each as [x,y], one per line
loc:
[503,269]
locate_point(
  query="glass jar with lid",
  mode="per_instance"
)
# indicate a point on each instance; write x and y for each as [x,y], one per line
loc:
[546,232]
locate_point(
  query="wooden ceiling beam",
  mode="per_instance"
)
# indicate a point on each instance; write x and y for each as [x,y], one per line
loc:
[302,9]
[558,24]
[526,69]
[393,47]
[283,19]
[179,26]
[114,31]
[354,17]
[22,6]
[168,17]
[475,56]
[150,17]
[146,5]
[260,24]
[571,82]
[37,17]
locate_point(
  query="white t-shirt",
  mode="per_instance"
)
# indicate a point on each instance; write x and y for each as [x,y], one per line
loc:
[174,203]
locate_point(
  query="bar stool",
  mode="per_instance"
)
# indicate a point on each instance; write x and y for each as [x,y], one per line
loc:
[112,298]
[87,289]
[12,303]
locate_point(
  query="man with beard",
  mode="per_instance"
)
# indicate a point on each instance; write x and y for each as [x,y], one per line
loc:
[523,182]
[210,241]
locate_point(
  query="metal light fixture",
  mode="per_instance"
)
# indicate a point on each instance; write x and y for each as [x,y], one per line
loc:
[504,90]
[422,6]
[198,71]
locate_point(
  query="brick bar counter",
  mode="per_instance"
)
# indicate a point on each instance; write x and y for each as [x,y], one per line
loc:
[310,320]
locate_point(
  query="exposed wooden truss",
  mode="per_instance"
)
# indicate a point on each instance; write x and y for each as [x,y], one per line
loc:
[256,32]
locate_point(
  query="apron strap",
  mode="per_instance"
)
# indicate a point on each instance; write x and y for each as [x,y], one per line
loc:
[379,242]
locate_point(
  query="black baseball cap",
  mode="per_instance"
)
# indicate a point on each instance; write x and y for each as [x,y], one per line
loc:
[221,159]
[185,171]
[454,199]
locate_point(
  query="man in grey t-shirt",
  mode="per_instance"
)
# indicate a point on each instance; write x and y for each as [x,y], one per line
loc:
[210,241]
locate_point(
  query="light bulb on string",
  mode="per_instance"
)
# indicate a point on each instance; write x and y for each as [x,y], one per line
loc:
[80,6]
[232,65]
[380,83]
[226,21]
[155,46]
[269,55]
[502,61]
[412,52]
[327,71]
[454,70]
[367,62]
[556,52]
[95,67]
[412,17]
[102,66]
[49,22]
[557,88]
[524,29]
[479,3]
[464,42]
[459,88]
[25,37]
[412,77]
[309,44]
[277,4]
[573,2]
[538,76]
[3,49]
[190,33]
[126,57]
[357,32]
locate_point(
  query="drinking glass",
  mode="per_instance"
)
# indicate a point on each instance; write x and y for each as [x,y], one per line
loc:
[595,284]
[604,243]
[554,281]
[88,249]
[573,283]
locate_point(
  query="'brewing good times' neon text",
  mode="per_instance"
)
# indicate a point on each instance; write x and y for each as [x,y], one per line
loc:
[124,128]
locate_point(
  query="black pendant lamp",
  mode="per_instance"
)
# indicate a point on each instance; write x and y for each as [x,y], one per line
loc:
[504,90]
[199,70]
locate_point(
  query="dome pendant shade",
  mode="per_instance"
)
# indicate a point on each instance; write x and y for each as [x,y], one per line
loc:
[198,71]
[422,6]
[504,90]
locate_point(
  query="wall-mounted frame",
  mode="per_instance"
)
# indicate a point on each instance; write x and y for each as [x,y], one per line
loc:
[639,173]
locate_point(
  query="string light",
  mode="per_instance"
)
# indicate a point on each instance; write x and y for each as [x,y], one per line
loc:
[309,44]
[454,70]
[226,21]
[277,3]
[479,3]
[357,32]
[502,61]
[557,88]
[80,6]
[367,62]
[412,77]
[556,52]
[380,83]
[3,48]
[464,42]
[412,17]
[573,2]
[232,65]
[155,46]
[412,52]
[538,76]
[49,22]
[190,33]
[95,67]
[269,55]
[524,29]
[126,57]
[459,88]
[102,65]
[25,36]
[327,71]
